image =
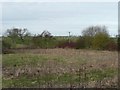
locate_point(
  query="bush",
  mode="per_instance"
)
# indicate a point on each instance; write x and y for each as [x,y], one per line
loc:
[67,44]
[44,42]
[100,41]
[80,43]
[112,46]
[6,47]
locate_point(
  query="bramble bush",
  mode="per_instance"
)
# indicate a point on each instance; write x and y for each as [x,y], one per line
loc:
[67,44]
[80,44]
[111,45]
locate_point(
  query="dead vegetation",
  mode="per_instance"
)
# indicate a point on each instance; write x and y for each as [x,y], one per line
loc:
[60,68]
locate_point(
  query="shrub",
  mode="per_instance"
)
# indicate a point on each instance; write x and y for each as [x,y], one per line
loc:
[6,47]
[67,44]
[100,41]
[44,42]
[80,43]
[112,46]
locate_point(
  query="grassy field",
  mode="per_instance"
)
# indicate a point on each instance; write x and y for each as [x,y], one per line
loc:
[60,68]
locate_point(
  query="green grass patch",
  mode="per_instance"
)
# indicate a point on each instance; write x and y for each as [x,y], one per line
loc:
[98,74]
[9,60]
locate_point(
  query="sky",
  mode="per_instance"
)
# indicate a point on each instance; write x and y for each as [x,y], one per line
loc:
[59,0]
[59,18]
[119,18]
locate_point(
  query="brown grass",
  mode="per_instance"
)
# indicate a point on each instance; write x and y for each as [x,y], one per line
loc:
[71,61]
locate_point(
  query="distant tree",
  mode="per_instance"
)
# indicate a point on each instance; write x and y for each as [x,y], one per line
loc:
[92,36]
[44,40]
[46,34]
[17,33]
[93,30]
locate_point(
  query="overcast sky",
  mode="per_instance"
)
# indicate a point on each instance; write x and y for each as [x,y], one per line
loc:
[60,17]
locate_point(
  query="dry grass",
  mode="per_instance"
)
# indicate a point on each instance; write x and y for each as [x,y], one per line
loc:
[60,68]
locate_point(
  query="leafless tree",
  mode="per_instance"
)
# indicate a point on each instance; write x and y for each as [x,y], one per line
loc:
[16,32]
[93,30]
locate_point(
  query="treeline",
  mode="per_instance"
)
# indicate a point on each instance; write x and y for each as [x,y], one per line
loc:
[93,37]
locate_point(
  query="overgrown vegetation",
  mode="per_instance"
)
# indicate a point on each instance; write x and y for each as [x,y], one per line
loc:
[37,60]
[94,37]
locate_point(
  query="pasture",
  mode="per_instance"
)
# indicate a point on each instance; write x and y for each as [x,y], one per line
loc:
[59,68]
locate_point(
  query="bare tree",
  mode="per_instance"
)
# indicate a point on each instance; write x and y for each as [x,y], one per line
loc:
[17,33]
[93,30]
[46,34]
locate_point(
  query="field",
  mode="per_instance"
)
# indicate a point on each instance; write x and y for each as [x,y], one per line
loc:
[60,68]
